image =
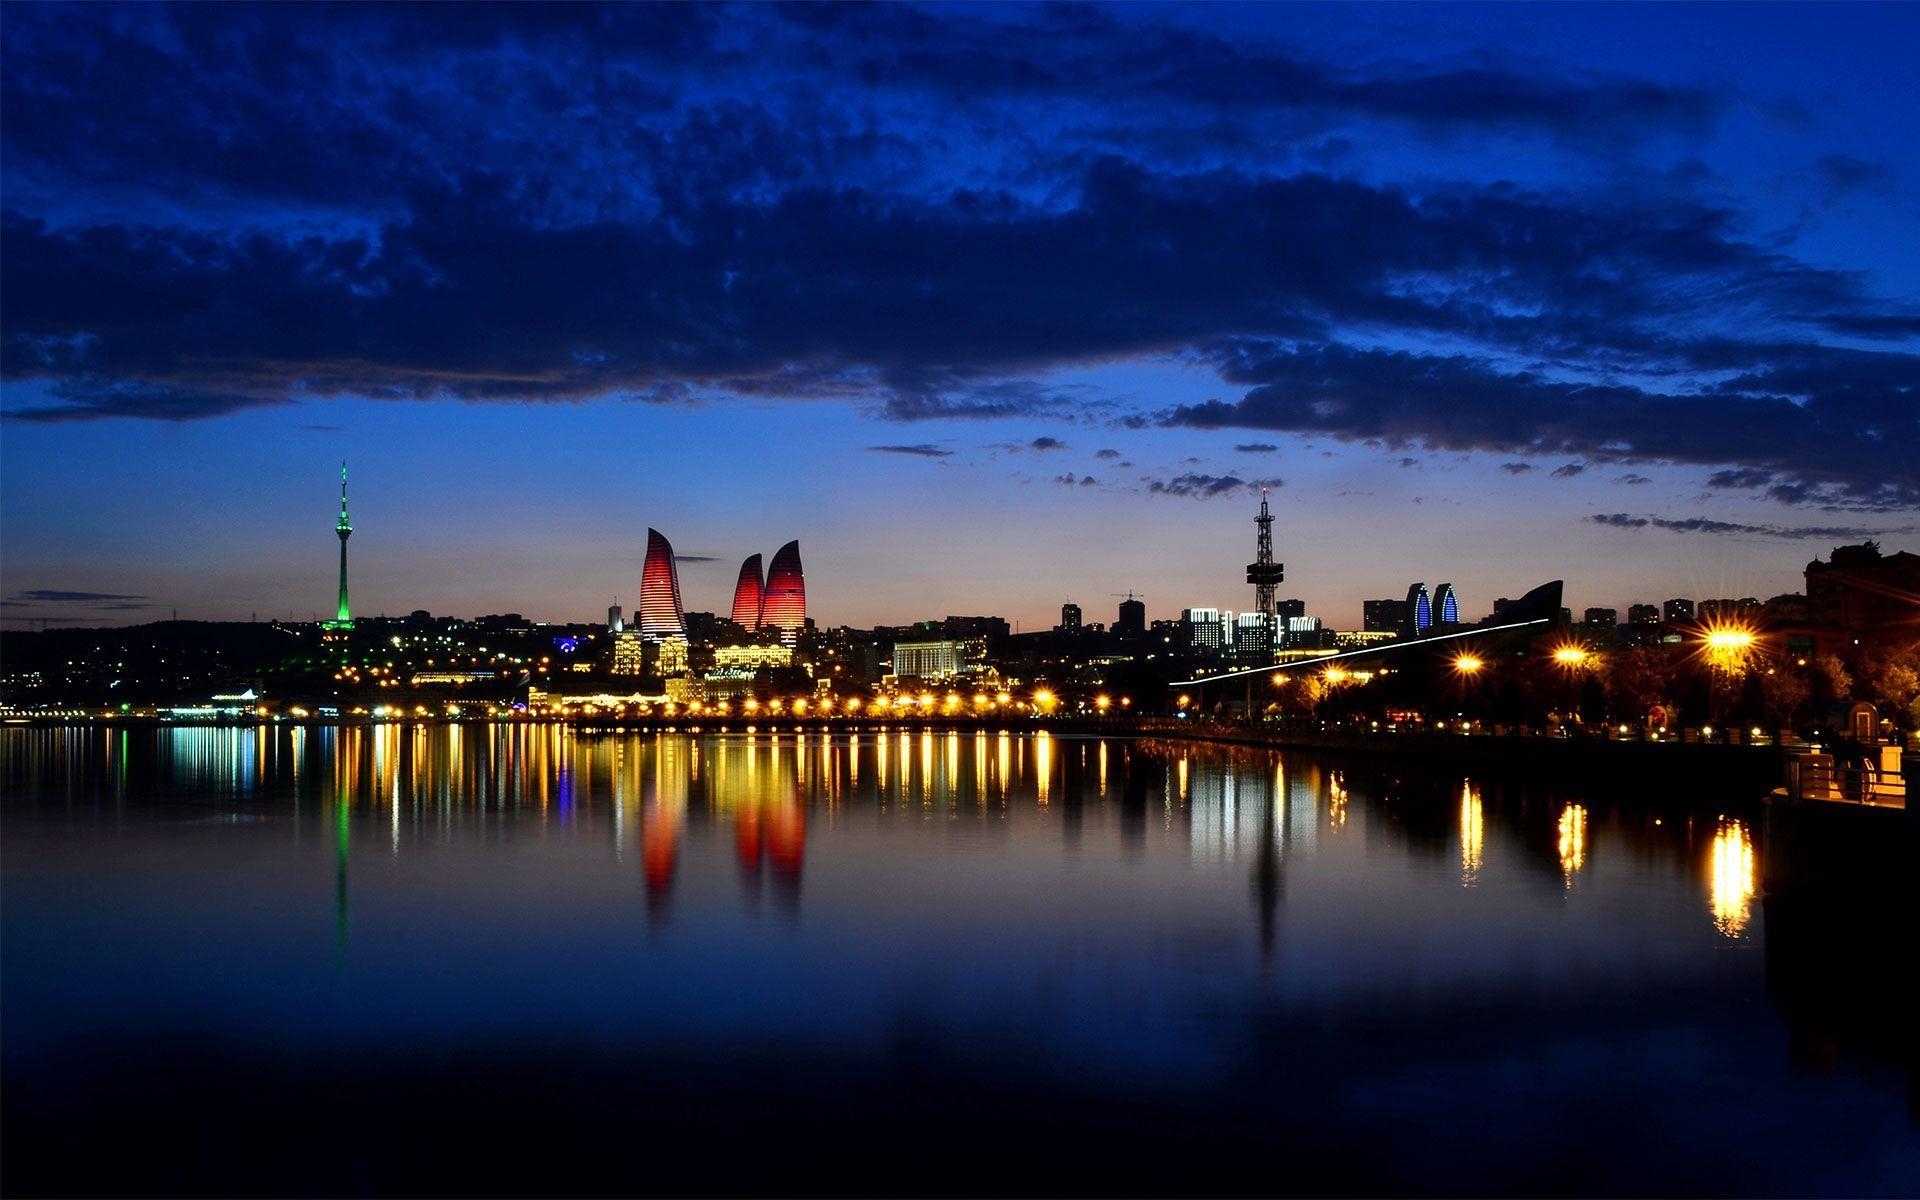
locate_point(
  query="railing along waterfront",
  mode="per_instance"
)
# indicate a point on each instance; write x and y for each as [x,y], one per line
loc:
[1813,776]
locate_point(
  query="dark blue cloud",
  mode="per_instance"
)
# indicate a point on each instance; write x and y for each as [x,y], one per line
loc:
[926,211]
[57,596]
[1205,487]
[1710,526]
[918,450]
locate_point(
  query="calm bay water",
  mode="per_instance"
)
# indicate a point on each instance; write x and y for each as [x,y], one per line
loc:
[511,959]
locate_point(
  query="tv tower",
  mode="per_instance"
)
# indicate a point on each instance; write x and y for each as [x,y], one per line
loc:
[1263,573]
[343,619]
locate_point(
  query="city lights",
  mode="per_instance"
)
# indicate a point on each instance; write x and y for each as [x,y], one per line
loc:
[1729,647]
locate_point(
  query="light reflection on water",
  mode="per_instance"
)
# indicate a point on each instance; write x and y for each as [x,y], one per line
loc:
[1473,834]
[1573,840]
[1733,873]
[1171,923]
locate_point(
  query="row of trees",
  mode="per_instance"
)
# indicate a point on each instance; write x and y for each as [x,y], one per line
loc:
[1671,685]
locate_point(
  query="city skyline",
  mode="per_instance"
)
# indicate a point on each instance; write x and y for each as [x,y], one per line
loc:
[660,607]
[963,377]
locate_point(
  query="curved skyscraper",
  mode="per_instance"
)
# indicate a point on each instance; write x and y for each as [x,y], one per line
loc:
[660,613]
[747,594]
[1419,609]
[1446,605]
[784,603]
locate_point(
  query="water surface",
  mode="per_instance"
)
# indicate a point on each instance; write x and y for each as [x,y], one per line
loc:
[510,959]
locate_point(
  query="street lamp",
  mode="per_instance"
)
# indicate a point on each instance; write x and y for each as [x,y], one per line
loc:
[1728,649]
[1467,664]
[1571,659]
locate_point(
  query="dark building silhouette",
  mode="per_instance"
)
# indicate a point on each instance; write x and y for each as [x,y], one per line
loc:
[1383,616]
[1860,594]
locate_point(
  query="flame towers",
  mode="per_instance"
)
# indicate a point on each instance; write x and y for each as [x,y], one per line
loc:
[661,616]
[748,594]
[784,602]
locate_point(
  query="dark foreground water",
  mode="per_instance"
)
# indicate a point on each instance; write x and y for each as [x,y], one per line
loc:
[510,960]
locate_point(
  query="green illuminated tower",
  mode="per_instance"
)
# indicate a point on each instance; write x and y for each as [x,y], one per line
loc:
[344,618]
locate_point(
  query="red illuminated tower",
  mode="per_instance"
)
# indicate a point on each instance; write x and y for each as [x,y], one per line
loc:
[747,594]
[784,603]
[660,613]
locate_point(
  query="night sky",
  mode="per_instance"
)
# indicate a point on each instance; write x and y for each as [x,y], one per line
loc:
[990,307]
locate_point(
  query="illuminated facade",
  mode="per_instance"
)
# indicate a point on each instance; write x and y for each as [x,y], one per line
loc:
[673,657]
[629,653]
[751,658]
[929,660]
[784,601]
[1419,609]
[1446,605]
[1253,637]
[748,594]
[661,615]
[1206,628]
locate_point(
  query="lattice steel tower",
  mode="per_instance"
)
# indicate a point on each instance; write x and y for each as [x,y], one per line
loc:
[344,617]
[1264,573]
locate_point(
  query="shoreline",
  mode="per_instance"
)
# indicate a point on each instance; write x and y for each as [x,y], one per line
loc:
[1720,767]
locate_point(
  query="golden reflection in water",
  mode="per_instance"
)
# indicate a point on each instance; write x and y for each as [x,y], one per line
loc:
[853,760]
[1732,880]
[1042,764]
[1473,833]
[1573,840]
[926,768]
[1103,768]
[951,785]
[1006,763]
[1183,779]
[1336,801]
[980,767]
